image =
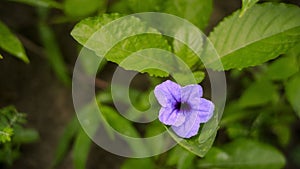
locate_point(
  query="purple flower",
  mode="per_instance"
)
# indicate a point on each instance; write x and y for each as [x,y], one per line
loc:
[182,107]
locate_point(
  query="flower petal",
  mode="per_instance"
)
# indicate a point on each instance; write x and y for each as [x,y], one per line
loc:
[167,93]
[171,116]
[191,94]
[206,110]
[190,127]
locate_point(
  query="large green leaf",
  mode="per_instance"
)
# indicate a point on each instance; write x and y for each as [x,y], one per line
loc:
[11,44]
[292,89]
[282,68]
[200,144]
[196,11]
[243,154]
[184,51]
[119,39]
[193,145]
[264,32]
[246,4]
[84,30]
[259,93]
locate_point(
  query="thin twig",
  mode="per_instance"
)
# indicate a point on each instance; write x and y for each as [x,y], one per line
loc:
[31,46]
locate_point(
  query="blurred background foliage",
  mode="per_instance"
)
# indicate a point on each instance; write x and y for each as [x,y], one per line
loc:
[260,125]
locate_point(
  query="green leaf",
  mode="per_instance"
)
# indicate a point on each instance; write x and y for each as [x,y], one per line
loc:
[53,53]
[118,122]
[259,93]
[199,145]
[145,163]
[199,76]
[11,44]
[84,30]
[246,4]
[283,133]
[81,8]
[209,131]
[41,3]
[263,33]
[183,161]
[189,78]
[186,160]
[183,51]
[132,54]
[1,57]
[282,68]
[113,119]
[81,150]
[193,146]
[243,154]
[292,90]
[143,53]
[237,130]
[196,11]
[25,136]
[153,129]
[65,141]
[89,64]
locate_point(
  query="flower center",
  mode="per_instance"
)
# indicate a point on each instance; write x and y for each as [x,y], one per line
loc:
[182,106]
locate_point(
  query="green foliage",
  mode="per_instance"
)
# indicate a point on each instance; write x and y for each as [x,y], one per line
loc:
[259,93]
[81,150]
[183,51]
[196,11]
[11,44]
[84,30]
[9,119]
[52,50]
[105,42]
[41,3]
[261,34]
[5,134]
[74,8]
[243,154]
[135,6]
[246,4]
[282,68]
[201,143]
[293,92]
[13,134]
[256,108]
[65,141]
[183,161]
[145,163]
